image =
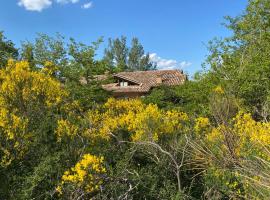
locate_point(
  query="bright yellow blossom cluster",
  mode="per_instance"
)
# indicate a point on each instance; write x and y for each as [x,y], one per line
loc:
[201,123]
[87,174]
[22,84]
[69,125]
[23,94]
[252,133]
[256,132]
[219,90]
[246,132]
[123,105]
[65,127]
[49,68]
[143,122]
[241,140]
[12,128]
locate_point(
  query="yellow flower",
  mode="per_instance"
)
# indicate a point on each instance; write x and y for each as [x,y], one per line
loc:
[143,122]
[65,127]
[20,89]
[59,190]
[219,90]
[87,173]
[201,123]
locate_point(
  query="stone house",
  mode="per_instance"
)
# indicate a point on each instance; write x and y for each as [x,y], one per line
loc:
[140,83]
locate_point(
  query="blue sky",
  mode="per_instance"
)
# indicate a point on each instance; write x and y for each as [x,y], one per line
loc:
[175,32]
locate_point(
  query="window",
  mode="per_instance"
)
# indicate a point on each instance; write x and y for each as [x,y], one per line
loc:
[123,84]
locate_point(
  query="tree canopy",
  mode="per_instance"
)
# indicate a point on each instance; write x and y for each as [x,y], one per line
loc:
[122,58]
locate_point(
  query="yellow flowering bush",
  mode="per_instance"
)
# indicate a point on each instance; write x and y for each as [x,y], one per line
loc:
[231,148]
[87,175]
[49,68]
[249,129]
[65,127]
[201,123]
[123,105]
[12,128]
[70,124]
[143,122]
[244,133]
[25,96]
[22,84]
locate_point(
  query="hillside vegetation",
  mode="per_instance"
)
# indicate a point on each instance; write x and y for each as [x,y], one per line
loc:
[206,139]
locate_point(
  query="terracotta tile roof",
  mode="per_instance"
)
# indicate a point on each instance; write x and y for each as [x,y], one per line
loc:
[145,80]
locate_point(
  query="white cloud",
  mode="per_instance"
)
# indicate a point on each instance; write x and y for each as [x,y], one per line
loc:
[67,1]
[39,5]
[35,5]
[87,5]
[168,63]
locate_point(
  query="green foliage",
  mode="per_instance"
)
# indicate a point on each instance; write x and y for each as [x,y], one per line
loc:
[27,54]
[7,50]
[74,62]
[122,58]
[241,62]
[41,180]
[192,97]
[117,51]
[137,60]
[87,95]
[50,49]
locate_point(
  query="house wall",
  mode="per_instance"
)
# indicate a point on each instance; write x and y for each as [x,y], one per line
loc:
[128,94]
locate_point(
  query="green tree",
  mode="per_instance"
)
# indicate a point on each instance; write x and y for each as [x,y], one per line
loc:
[119,56]
[117,52]
[83,59]
[241,62]
[80,74]
[51,49]
[137,60]
[27,53]
[7,50]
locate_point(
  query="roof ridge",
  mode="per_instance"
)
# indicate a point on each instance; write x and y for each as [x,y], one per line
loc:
[161,70]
